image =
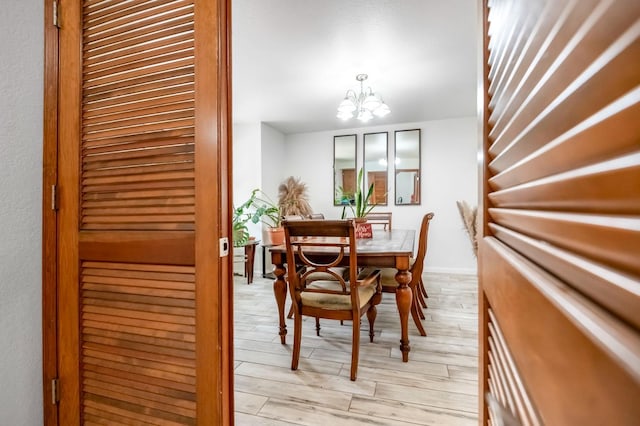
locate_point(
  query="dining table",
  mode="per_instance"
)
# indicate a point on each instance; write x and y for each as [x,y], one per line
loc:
[386,249]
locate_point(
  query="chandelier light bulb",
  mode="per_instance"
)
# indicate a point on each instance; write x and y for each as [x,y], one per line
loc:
[346,106]
[382,110]
[367,103]
[364,115]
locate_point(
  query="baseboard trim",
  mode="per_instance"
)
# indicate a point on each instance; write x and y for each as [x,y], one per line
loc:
[458,271]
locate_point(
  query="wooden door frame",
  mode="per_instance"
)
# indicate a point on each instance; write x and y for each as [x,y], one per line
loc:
[49,220]
[483,204]
[222,58]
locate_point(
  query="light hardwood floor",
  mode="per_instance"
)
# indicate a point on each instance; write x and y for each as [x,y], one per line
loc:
[438,386]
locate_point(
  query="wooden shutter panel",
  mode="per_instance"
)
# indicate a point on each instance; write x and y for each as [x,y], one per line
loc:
[138,116]
[559,261]
[145,324]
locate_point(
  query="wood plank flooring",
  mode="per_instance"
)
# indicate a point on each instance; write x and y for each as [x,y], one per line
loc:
[438,386]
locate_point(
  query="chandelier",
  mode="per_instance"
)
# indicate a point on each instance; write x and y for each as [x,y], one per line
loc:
[363,105]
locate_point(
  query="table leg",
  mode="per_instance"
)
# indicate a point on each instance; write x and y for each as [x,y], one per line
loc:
[404,298]
[280,291]
[250,255]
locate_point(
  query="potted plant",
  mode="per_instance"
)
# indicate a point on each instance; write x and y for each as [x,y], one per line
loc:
[360,206]
[260,208]
[240,233]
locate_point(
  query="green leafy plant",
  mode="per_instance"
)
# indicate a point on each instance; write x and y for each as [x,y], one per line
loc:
[261,208]
[258,208]
[360,206]
[240,230]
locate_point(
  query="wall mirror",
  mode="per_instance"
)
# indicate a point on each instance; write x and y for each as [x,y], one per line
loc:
[344,169]
[375,165]
[407,167]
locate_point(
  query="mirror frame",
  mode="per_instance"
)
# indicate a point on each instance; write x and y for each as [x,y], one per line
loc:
[386,170]
[355,164]
[398,170]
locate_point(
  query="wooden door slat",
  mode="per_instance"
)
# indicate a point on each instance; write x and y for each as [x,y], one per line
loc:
[132,75]
[609,187]
[140,195]
[105,15]
[133,23]
[137,331]
[181,23]
[142,156]
[146,399]
[180,397]
[617,292]
[97,333]
[582,145]
[607,239]
[581,99]
[161,356]
[157,417]
[94,66]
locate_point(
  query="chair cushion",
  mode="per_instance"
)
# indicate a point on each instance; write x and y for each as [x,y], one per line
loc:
[325,276]
[334,302]
[387,276]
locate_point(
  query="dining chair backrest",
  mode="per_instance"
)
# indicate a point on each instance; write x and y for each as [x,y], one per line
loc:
[380,218]
[333,237]
[418,265]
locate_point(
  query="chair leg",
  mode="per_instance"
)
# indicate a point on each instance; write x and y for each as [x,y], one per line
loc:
[297,338]
[423,289]
[417,296]
[371,316]
[420,298]
[355,348]
[317,326]
[416,319]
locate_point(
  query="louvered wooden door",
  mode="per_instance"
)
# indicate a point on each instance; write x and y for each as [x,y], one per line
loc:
[560,257]
[144,312]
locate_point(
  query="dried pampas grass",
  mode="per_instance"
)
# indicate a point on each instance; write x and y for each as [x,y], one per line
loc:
[470,219]
[293,198]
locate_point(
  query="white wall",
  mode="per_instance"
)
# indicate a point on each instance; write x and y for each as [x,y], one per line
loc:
[449,173]
[247,165]
[273,151]
[21,87]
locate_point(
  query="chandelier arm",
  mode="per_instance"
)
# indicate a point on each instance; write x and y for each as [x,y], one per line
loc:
[351,95]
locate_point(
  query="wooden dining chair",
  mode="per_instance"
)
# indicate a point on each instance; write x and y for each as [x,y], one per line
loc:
[384,219]
[318,246]
[388,275]
[380,219]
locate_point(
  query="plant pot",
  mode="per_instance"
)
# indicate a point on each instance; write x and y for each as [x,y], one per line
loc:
[276,236]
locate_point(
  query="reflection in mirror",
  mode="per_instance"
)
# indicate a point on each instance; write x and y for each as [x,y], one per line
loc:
[407,165]
[375,166]
[344,169]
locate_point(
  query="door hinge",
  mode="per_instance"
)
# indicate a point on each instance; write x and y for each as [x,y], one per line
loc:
[54,391]
[54,197]
[56,17]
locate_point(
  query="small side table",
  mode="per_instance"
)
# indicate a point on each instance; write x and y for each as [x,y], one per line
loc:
[249,258]
[265,247]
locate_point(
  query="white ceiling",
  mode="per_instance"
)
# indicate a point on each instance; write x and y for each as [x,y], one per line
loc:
[293,60]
